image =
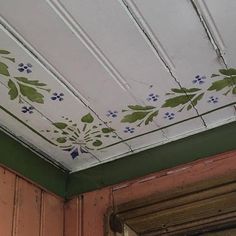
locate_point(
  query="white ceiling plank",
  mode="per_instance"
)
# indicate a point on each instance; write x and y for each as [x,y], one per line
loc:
[221,14]
[87,82]
[150,140]
[178,27]
[184,129]
[220,117]
[125,46]
[64,51]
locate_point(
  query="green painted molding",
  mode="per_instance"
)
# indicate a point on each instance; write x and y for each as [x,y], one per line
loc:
[208,143]
[15,156]
[20,159]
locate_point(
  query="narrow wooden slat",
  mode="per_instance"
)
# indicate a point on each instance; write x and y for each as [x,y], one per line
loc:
[179,198]
[52,215]
[73,217]
[7,190]
[216,222]
[187,213]
[175,180]
[95,208]
[27,209]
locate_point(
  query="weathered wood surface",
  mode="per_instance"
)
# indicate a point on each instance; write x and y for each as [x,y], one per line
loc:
[27,210]
[165,185]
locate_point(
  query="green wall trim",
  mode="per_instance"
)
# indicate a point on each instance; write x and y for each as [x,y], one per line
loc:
[179,152]
[16,157]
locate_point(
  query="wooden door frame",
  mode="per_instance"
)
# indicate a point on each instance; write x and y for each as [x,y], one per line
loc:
[203,205]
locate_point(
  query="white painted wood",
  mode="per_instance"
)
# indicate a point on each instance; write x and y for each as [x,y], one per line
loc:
[112,73]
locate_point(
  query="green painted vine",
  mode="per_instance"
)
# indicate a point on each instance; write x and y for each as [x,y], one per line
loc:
[86,136]
[76,138]
[19,86]
[143,114]
[182,98]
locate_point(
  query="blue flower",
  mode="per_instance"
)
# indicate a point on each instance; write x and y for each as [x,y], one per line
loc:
[25,67]
[58,96]
[113,114]
[26,109]
[169,115]
[129,130]
[75,151]
[199,79]
[213,99]
[152,97]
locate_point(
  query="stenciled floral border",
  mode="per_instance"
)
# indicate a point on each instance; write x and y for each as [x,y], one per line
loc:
[183,98]
[20,86]
[83,137]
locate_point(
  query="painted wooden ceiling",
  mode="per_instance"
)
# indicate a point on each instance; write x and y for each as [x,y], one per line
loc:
[85,82]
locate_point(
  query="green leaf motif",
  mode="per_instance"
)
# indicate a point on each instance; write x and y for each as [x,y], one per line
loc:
[31,93]
[60,125]
[97,143]
[138,107]
[228,72]
[107,130]
[220,84]
[4,69]
[189,107]
[197,99]
[151,117]
[13,91]
[214,75]
[87,118]
[31,82]
[134,117]
[184,90]
[4,51]
[65,133]
[61,140]
[233,79]
[234,90]
[9,58]
[176,101]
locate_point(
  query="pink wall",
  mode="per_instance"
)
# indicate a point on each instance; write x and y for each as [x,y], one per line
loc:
[27,210]
[88,210]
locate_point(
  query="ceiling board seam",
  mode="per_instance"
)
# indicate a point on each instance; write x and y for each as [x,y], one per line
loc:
[91,46]
[32,52]
[48,119]
[122,140]
[139,21]
[73,25]
[28,48]
[47,66]
[160,53]
[176,138]
[79,32]
[179,122]
[211,30]
[234,111]
[30,128]
[209,25]
[35,108]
